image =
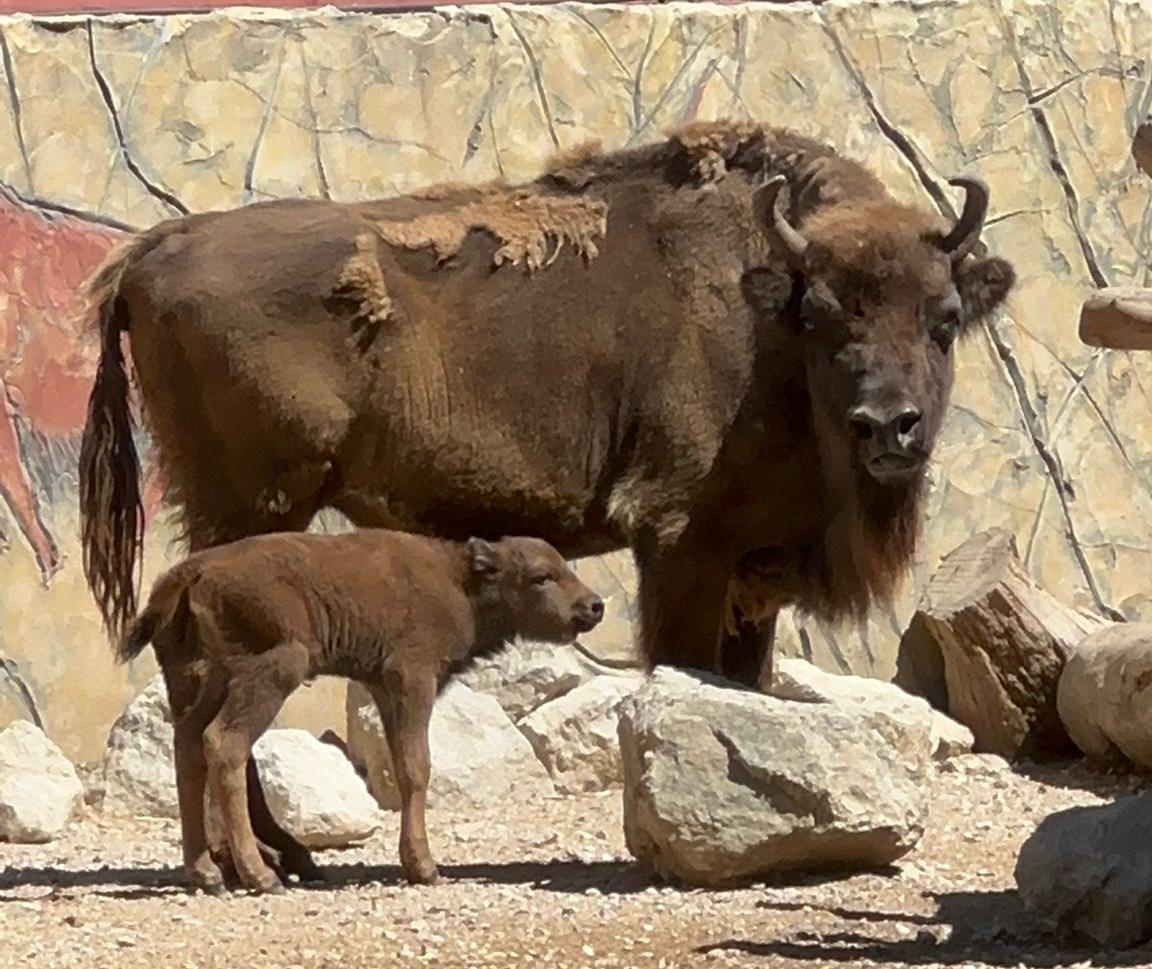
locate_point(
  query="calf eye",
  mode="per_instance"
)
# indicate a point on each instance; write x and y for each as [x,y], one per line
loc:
[540,578]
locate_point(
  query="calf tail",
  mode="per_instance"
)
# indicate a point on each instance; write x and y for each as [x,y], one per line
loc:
[111,512]
[167,608]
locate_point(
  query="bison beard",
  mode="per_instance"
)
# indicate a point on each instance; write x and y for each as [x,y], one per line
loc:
[730,351]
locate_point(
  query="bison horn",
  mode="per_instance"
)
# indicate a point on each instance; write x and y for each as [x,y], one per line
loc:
[782,236]
[966,233]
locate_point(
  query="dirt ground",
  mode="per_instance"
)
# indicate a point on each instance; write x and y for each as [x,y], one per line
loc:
[550,883]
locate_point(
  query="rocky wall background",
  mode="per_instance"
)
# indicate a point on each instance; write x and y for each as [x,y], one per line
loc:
[113,123]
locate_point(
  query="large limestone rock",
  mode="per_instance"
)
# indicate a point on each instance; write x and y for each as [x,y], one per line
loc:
[577,738]
[1103,696]
[1089,869]
[802,681]
[722,784]
[39,789]
[528,674]
[478,755]
[313,790]
[139,772]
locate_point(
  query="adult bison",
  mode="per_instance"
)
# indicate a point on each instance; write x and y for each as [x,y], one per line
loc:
[730,351]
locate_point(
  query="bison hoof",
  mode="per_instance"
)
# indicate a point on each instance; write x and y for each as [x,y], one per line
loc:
[302,866]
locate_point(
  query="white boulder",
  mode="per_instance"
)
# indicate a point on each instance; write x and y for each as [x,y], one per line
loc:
[1103,697]
[799,680]
[478,755]
[723,784]
[313,790]
[576,737]
[528,674]
[40,791]
[138,768]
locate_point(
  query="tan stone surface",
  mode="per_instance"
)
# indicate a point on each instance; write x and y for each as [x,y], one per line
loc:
[1047,437]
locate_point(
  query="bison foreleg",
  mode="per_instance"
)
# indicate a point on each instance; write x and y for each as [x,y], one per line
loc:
[19,495]
[747,654]
[683,590]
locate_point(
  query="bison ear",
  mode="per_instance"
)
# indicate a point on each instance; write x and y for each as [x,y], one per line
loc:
[983,285]
[482,557]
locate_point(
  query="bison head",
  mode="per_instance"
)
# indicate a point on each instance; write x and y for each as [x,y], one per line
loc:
[882,298]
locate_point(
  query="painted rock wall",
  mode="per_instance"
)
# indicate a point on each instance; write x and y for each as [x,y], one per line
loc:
[120,122]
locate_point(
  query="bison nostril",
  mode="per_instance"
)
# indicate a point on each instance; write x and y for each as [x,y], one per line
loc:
[907,421]
[596,608]
[862,425]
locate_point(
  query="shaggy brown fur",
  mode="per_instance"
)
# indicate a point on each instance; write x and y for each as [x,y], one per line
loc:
[239,627]
[743,375]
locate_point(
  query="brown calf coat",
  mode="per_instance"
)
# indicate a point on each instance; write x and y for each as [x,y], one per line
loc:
[237,628]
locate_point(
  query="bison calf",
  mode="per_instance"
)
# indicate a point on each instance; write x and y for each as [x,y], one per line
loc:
[238,627]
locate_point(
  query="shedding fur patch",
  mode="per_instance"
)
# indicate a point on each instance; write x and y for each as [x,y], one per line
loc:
[531,227]
[713,147]
[362,280]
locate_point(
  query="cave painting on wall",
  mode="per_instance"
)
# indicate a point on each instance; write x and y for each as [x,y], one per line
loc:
[48,355]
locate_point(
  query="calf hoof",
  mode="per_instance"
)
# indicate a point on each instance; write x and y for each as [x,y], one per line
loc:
[267,883]
[422,872]
[206,877]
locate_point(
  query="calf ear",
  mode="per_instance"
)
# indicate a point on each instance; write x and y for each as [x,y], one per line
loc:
[482,557]
[983,285]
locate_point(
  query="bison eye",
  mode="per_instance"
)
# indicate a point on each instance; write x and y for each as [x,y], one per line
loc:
[943,320]
[540,578]
[819,306]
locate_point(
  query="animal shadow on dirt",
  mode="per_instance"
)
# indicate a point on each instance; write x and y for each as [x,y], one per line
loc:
[986,927]
[127,883]
[558,875]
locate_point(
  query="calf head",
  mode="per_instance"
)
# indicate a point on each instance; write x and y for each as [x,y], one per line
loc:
[883,298]
[527,583]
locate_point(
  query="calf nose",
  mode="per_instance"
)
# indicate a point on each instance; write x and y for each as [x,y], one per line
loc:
[887,429]
[595,607]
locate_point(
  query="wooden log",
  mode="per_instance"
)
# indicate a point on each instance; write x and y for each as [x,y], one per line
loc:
[1002,641]
[1119,318]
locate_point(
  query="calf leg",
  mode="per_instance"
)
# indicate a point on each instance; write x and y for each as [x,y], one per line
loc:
[276,845]
[257,688]
[194,701]
[405,710]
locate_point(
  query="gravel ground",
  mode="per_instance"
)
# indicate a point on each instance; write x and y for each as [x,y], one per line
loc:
[550,883]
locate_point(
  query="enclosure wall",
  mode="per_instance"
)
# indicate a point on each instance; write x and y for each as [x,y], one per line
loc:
[114,123]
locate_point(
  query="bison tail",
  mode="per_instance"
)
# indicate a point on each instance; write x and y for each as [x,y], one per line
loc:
[111,512]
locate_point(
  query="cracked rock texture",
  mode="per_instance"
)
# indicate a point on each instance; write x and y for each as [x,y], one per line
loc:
[133,119]
[722,785]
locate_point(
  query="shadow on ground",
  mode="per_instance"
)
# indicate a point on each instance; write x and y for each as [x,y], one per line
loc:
[968,927]
[573,877]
